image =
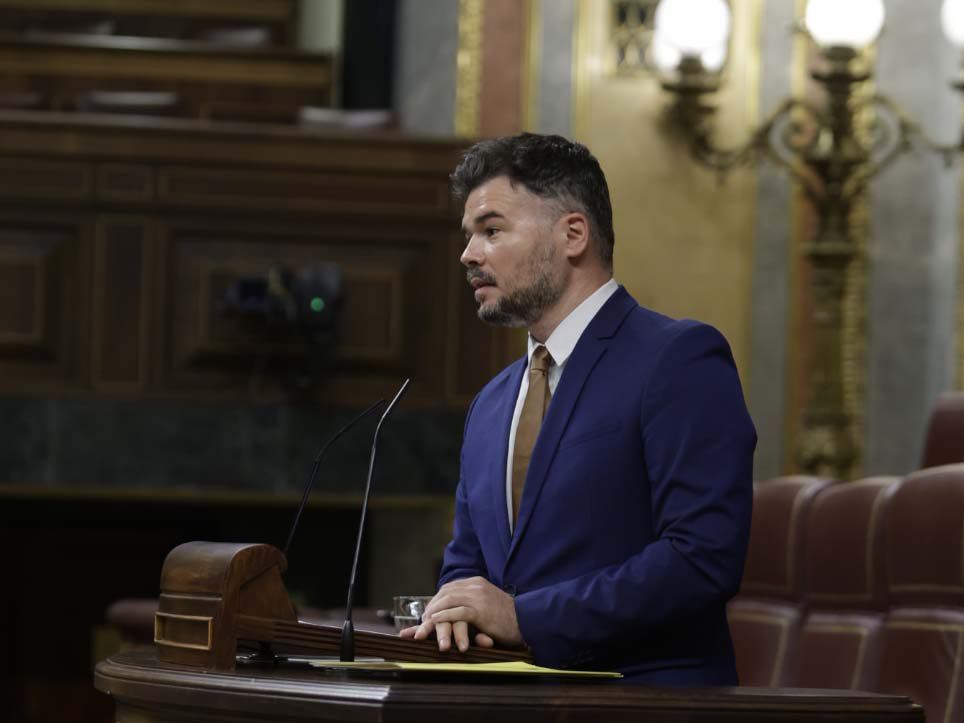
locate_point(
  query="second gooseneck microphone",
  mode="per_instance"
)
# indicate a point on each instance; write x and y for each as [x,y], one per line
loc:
[348,629]
[314,470]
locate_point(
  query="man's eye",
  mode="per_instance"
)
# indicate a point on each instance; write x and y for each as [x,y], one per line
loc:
[491,231]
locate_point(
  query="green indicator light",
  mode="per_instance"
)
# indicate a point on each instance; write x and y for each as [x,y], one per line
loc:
[317,304]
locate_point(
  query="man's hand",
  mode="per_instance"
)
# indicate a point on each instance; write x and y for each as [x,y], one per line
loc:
[474,601]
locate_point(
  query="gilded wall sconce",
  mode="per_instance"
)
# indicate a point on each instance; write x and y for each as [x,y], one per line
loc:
[831,145]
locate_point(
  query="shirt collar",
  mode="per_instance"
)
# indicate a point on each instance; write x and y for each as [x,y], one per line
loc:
[563,339]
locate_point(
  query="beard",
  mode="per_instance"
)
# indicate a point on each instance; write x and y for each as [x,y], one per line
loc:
[524,306]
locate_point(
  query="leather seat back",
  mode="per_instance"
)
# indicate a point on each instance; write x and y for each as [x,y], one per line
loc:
[765,617]
[845,590]
[944,443]
[923,635]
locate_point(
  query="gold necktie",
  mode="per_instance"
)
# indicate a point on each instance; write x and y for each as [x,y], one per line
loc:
[530,420]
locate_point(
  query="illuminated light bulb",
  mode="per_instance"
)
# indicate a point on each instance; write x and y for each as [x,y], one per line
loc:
[691,29]
[666,57]
[714,58]
[952,18]
[844,23]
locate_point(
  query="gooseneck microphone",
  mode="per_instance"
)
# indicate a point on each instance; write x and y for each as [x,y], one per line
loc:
[314,470]
[348,629]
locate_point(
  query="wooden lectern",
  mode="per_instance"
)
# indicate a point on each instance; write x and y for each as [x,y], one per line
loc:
[148,691]
[215,594]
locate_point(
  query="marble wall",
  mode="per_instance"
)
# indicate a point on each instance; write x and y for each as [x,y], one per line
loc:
[320,25]
[914,245]
[229,457]
[772,256]
[220,448]
[426,47]
[556,22]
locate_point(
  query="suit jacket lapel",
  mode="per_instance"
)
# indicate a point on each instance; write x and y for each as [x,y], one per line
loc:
[589,349]
[500,502]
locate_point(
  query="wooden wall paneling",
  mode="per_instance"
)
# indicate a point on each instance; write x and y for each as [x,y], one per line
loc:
[231,199]
[427,312]
[159,310]
[475,350]
[22,289]
[44,278]
[314,192]
[371,317]
[102,57]
[243,10]
[122,287]
[371,322]
[174,141]
[42,179]
[125,182]
[391,321]
[210,80]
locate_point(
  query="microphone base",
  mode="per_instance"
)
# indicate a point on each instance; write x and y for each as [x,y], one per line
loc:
[347,642]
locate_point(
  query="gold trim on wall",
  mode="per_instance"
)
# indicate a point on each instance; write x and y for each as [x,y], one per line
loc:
[579,73]
[751,14]
[753,61]
[853,362]
[960,288]
[532,66]
[468,69]
[854,320]
[854,372]
[799,229]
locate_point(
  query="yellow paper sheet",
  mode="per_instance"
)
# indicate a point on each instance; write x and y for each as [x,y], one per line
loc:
[507,668]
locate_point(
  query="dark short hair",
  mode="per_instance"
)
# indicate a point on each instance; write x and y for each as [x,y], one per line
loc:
[551,167]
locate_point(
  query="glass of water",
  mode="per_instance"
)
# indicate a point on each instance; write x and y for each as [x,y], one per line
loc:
[408,610]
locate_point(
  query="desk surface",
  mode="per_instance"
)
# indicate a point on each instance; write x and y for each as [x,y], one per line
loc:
[146,690]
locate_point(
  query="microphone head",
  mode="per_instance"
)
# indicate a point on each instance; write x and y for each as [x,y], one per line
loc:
[398,395]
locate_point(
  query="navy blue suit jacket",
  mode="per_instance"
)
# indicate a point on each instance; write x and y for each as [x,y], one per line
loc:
[635,514]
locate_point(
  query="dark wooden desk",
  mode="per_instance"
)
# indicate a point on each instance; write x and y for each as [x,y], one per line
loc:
[211,80]
[147,691]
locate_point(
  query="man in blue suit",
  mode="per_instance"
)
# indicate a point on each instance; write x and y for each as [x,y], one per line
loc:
[603,509]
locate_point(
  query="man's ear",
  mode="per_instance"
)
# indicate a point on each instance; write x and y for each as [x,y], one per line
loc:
[575,228]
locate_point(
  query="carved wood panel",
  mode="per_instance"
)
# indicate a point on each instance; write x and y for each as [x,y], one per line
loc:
[38,178]
[119,240]
[65,71]
[304,191]
[125,182]
[390,324]
[43,301]
[121,288]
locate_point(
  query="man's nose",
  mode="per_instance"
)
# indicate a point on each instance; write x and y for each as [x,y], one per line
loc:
[472,255]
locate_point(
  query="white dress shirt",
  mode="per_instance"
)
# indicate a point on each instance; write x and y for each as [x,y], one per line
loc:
[560,345]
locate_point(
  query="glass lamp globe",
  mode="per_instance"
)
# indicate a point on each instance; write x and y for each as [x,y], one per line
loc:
[952,18]
[692,29]
[714,58]
[847,23]
[666,57]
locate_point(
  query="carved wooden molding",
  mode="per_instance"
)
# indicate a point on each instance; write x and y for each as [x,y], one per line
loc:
[43,301]
[157,218]
[121,303]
